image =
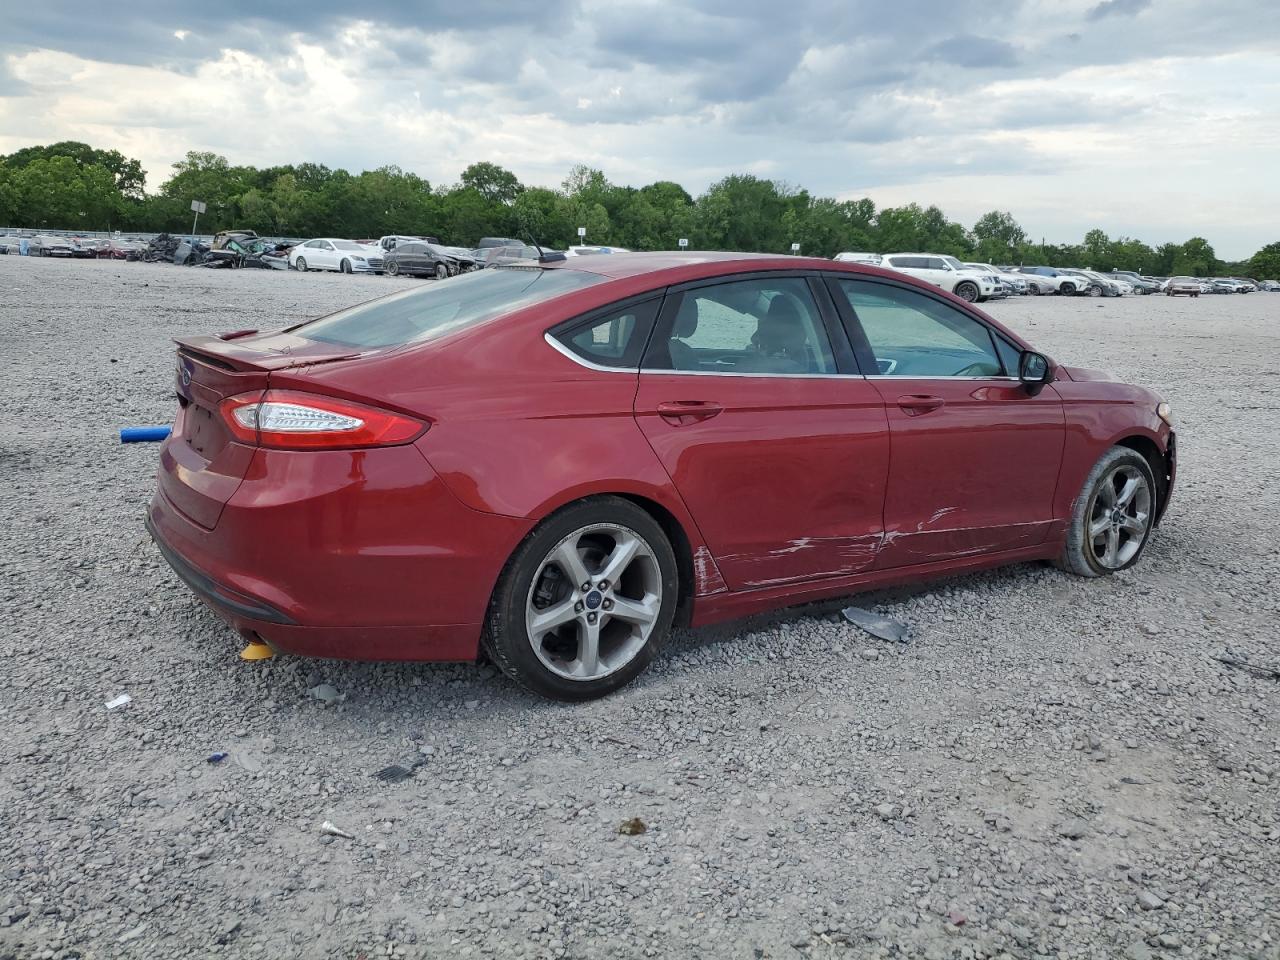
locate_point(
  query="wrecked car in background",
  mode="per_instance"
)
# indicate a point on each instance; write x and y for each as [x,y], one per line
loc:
[48,246]
[416,258]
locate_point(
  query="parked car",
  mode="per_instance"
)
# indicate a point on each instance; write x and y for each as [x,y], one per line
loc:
[1065,284]
[1141,285]
[388,243]
[331,253]
[1094,284]
[534,462]
[121,249]
[505,256]
[586,250]
[1221,287]
[946,272]
[421,259]
[855,257]
[487,242]
[50,246]
[1016,281]
[1271,286]
[1182,286]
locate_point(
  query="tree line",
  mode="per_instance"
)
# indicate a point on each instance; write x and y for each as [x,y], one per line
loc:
[74,186]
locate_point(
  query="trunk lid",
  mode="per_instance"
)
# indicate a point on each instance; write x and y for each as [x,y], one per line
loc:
[201,464]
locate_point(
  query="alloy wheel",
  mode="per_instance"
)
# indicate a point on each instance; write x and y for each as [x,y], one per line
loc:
[1120,517]
[594,602]
[300,265]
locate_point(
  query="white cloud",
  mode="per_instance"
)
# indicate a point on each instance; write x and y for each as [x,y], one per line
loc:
[1151,120]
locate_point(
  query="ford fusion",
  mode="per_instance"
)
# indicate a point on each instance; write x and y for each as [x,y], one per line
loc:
[553,463]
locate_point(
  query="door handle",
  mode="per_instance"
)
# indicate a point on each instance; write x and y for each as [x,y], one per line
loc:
[915,404]
[681,413]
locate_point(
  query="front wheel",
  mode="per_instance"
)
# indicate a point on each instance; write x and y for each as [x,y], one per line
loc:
[968,292]
[1113,516]
[300,265]
[585,602]
[393,268]
[1095,290]
[345,266]
[1034,289]
[1067,289]
[442,272]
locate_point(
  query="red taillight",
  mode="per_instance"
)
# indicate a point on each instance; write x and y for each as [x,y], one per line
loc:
[292,420]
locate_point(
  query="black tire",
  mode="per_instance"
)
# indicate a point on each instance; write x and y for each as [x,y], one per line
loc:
[442,271]
[300,265]
[1079,553]
[1095,290]
[345,266]
[506,636]
[966,291]
[1034,289]
[1067,289]
[393,268]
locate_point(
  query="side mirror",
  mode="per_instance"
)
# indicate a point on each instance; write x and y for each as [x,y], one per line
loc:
[1034,371]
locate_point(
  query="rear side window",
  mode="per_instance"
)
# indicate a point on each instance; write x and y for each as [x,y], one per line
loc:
[615,339]
[757,326]
[444,307]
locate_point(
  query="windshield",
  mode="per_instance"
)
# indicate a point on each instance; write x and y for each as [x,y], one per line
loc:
[429,312]
[346,245]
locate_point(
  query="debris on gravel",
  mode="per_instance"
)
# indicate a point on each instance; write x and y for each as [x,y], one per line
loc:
[800,801]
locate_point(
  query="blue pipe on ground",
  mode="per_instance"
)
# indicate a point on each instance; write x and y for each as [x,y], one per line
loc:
[143,434]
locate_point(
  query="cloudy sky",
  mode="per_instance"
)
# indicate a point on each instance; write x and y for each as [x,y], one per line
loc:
[1158,119]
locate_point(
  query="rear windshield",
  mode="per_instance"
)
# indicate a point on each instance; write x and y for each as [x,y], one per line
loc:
[424,313]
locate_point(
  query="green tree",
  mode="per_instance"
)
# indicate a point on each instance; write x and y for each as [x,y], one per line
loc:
[492,182]
[129,177]
[1196,259]
[998,237]
[1265,264]
[58,192]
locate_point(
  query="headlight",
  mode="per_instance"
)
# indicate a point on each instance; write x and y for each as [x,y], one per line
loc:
[1165,413]
[358,259]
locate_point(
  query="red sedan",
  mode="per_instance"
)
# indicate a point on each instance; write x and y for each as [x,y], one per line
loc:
[556,461]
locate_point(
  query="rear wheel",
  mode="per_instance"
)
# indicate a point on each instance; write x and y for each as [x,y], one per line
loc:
[586,601]
[968,292]
[442,272]
[1113,516]
[300,265]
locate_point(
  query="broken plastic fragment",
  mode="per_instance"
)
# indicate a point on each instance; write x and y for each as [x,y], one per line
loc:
[881,627]
[119,701]
[329,829]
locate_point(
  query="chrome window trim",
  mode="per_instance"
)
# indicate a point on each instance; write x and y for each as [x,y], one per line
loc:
[907,376]
[599,368]
[583,362]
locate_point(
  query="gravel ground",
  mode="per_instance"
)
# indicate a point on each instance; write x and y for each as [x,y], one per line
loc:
[1053,767]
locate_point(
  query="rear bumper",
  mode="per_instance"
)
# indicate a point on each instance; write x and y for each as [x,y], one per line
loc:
[353,554]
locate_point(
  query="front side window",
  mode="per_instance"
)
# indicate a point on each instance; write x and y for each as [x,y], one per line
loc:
[760,326]
[616,339]
[913,335]
[424,313]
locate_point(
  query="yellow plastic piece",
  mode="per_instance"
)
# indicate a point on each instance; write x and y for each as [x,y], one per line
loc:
[257,651]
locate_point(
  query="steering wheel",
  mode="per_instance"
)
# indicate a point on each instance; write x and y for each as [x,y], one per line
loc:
[973,370]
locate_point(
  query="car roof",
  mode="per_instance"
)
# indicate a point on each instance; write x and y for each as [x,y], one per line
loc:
[620,265]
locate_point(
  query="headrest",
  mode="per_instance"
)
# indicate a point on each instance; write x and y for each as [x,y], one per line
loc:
[686,324]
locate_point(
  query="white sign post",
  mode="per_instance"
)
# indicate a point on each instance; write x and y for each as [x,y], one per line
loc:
[684,242]
[582,233]
[795,248]
[197,208]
